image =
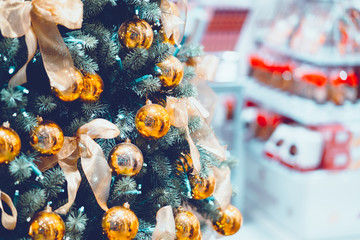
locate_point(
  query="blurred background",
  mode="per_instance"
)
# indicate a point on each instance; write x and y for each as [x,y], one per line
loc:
[288,109]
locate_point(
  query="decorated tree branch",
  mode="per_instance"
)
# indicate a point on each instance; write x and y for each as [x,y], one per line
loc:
[103,134]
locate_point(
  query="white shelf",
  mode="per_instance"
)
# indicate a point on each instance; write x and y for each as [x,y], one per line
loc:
[320,59]
[297,205]
[302,110]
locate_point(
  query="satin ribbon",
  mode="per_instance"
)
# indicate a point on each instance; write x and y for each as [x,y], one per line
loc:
[179,117]
[205,68]
[165,224]
[37,20]
[180,110]
[93,162]
[8,221]
[171,19]
[223,187]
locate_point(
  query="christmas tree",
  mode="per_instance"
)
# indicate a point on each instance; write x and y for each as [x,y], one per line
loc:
[102,134]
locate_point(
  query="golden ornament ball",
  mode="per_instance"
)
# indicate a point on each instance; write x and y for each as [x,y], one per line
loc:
[120,223]
[126,159]
[46,225]
[74,91]
[170,40]
[136,33]
[10,144]
[187,225]
[47,138]
[229,221]
[201,188]
[93,87]
[152,121]
[171,72]
[184,163]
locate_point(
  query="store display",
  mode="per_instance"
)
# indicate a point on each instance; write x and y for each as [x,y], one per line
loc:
[47,137]
[10,144]
[152,121]
[296,147]
[120,223]
[135,33]
[126,159]
[47,225]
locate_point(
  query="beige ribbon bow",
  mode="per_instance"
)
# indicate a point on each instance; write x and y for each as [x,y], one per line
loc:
[205,68]
[171,20]
[180,110]
[93,162]
[8,221]
[165,224]
[37,20]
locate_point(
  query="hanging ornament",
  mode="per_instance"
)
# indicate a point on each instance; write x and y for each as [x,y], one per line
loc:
[171,72]
[136,33]
[152,121]
[120,223]
[47,137]
[47,225]
[74,92]
[126,159]
[93,87]
[201,188]
[10,143]
[229,221]
[187,225]
[184,163]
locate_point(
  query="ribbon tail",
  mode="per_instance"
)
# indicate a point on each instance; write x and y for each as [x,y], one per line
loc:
[8,221]
[96,169]
[20,77]
[73,178]
[223,187]
[165,224]
[56,57]
[194,152]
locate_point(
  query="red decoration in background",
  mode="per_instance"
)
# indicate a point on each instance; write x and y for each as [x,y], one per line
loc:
[316,78]
[336,153]
[224,29]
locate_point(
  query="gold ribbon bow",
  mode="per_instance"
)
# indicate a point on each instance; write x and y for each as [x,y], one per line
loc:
[165,224]
[8,221]
[93,162]
[37,20]
[171,20]
[180,110]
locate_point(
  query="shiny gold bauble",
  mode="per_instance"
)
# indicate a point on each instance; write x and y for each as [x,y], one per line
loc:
[136,33]
[74,91]
[187,225]
[184,163]
[201,188]
[93,87]
[172,72]
[47,138]
[152,121]
[229,221]
[126,159]
[120,223]
[10,144]
[46,225]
